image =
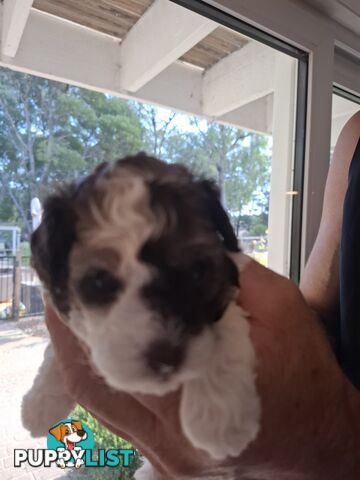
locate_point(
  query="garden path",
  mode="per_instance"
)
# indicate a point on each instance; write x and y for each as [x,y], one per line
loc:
[20,357]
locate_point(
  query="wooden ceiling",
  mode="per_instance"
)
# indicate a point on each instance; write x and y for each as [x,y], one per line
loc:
[116,17]
[220,43]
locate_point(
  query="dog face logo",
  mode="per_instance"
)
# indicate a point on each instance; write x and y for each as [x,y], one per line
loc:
[70,438]
[69,433]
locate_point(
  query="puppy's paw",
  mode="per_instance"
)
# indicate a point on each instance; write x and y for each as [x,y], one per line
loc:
[46,402]
[79,463]
[61,463]
[220,425]
[40,410]
[220,412]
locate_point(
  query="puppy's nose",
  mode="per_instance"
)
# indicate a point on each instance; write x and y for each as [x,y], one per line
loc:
[81,433]
[164,358]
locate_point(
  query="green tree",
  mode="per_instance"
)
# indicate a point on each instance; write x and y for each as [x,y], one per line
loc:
[158,127]
[248,181]
[239,161]
[51,132]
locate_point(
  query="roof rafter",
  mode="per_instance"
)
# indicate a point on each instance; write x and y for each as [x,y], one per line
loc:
[63,51]
[238,79]
[162,35]
[15,16]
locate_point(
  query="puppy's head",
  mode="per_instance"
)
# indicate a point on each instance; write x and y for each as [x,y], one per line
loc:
[135,258]
[70,432]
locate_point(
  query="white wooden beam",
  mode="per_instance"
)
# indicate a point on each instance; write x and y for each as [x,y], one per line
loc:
[60,50]
[256,116]
[63,51]
[15,16]
[177,87]
[163,34]
[238,79]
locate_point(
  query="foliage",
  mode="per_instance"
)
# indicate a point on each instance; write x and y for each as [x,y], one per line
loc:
[50,133]
[255,225]
[236,159]
[104,439]
[25,249]
[158,126]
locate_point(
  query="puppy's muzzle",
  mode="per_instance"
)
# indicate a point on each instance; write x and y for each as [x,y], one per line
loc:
[163,358]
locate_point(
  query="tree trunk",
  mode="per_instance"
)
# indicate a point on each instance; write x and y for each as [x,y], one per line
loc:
[221,180]
[221,165]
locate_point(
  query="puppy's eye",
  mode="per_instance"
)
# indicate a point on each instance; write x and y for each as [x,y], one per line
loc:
[98,286]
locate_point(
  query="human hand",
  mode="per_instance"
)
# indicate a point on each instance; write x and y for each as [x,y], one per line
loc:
[306,402]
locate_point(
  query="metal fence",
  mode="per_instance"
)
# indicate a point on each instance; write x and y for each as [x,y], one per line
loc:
[20,293]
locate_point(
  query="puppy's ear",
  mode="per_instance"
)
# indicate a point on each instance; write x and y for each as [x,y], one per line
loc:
[77,424]
[218,215]
[51,244]
[57,432]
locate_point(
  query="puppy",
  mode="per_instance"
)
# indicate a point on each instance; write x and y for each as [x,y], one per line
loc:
[141,262]
[69,433]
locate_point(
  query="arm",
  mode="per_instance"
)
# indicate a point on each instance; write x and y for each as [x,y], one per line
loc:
[320,279]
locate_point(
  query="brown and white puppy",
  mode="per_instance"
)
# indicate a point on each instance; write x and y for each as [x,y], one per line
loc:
[142,263]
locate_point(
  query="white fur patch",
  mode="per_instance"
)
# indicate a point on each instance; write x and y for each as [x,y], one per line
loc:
[220,412]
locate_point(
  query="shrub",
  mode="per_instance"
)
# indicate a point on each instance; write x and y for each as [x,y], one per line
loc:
[104,439]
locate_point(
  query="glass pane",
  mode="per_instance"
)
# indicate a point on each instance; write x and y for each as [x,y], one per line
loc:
[342,110]
[199,94]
